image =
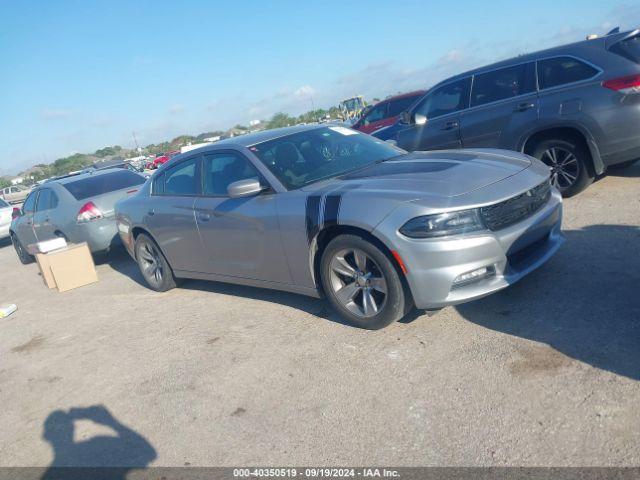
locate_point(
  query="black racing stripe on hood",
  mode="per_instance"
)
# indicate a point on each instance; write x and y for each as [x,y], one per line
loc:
[390,168]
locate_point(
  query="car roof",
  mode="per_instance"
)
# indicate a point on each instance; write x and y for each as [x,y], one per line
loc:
[565,49]
[415,93]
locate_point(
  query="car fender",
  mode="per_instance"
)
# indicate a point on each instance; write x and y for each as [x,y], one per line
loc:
[598,164]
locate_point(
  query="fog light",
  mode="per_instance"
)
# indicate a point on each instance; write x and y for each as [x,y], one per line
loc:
[474,276]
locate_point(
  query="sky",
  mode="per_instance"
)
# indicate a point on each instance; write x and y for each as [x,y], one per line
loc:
[77,76]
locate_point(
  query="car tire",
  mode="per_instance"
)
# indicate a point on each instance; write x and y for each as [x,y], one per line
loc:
[569,164]
[362,284]
[153,265]
[23,255]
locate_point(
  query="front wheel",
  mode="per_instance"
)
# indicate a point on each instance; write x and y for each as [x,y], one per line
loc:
[568,162]
[362,284]
[153,265]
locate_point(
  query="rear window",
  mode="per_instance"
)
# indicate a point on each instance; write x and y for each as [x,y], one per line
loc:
[105,183]
[629,49]
[3,204]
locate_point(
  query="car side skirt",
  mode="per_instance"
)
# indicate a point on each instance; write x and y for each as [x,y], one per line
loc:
[250,282]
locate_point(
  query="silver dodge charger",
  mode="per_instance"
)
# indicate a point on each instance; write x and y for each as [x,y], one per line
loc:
[325,210]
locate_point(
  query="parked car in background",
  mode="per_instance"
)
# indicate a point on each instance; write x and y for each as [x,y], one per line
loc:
[328,209]
[575,107]
[6,211]
[164,158]
[79,208]
[386,112]
[14,194]
[117,163]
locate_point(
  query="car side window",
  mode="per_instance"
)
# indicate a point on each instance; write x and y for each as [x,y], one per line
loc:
[158,185]
[396,107]
[222,169]
[30,203]
[44,200]
[181,180]
[449,98]
[502,84]
[553,72]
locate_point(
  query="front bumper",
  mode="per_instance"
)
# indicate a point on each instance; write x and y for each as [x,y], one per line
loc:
[513,252]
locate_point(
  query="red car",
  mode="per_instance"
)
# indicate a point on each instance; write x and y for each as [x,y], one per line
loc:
[386,112]
[164,158]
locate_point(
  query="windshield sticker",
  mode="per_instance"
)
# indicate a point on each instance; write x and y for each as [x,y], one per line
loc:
[343,130]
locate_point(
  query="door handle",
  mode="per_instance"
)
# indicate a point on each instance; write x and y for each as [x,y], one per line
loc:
[450,125]
[151,212]
[205,217]
[524,106]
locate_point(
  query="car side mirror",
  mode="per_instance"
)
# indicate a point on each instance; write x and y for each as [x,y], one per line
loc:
[420,119]
[15,213]
[244,188]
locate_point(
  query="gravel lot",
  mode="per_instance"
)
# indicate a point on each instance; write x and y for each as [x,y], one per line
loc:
[544,373]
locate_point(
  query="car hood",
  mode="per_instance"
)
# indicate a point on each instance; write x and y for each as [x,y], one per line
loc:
[446,173]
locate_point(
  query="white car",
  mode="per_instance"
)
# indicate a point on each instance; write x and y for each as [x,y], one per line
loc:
[5,218]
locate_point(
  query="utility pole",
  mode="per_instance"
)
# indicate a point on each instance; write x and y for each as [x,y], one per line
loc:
[313,107]
[135,140]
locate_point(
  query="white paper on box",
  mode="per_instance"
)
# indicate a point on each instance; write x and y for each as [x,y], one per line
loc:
[51,245]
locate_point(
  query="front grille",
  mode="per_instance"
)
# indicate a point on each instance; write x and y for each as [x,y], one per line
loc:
[503,214]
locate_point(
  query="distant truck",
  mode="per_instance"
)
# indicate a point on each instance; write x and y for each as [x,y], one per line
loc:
[14,194]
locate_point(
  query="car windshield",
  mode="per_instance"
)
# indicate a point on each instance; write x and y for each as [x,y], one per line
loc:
[307,157]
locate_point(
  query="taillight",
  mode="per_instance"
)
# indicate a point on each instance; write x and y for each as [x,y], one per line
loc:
[88,212]
[625,85]
[15,213]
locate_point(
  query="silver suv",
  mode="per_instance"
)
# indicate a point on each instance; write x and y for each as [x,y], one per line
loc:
[575,107]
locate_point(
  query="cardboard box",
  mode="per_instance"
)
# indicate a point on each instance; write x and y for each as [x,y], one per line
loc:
[67,268]
[45,269]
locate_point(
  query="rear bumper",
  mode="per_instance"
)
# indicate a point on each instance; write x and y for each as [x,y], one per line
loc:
[100,235]
[512,253]
[4,230]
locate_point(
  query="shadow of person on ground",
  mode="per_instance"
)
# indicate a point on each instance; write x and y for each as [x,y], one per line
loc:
[123,452]
[584,303]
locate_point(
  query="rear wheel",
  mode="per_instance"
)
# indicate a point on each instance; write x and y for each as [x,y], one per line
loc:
[153,265]
[23,255]
[362,284]
[568,162]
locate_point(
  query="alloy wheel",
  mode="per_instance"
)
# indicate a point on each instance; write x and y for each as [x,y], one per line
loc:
[564,166]
[151,264]
[357,282]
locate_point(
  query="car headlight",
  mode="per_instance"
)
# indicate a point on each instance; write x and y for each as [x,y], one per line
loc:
[443,224]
